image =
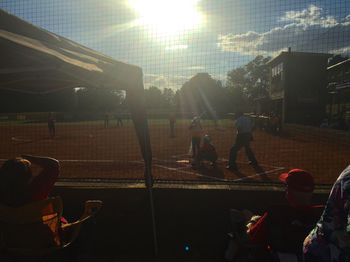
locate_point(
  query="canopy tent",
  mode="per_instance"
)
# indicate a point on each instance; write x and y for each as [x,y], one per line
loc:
[37,61]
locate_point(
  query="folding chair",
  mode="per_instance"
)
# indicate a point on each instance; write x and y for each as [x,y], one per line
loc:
[36,229]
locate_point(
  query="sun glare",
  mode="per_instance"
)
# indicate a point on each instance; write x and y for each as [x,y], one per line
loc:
[168,17]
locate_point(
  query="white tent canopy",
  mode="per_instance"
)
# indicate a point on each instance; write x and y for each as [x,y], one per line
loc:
[37,56]
[36,61]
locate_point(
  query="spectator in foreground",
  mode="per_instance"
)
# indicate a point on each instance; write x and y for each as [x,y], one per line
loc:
[26,179]
[330,239]
[282,228]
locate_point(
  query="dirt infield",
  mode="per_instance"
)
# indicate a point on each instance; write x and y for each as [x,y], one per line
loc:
[88,150]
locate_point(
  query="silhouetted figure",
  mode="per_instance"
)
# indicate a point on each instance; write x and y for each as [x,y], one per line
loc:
[207,152]
[325,123]
[51,124]
[21,184]
[244,136]
[274,124]
[172,121]
[106,119]
[196,134]
[341,122]
[119,120]
[281,228]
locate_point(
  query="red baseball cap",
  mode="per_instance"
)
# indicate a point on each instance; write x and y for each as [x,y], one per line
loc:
[299,180]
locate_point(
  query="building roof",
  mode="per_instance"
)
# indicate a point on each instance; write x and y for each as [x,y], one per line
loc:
[338,64]
[294,53]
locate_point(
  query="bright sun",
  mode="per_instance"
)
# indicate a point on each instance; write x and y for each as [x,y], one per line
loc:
[168,17]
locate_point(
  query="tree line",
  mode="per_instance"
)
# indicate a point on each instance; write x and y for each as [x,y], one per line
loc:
[201,93]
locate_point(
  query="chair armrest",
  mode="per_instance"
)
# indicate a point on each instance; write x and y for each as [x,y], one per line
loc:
[70,231]
[91,208]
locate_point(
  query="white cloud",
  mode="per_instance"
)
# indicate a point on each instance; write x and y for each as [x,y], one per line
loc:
[305,30]
[344,50]
[164,81]
[310,16]
[176,47]
[346,21]
[195,68]
[174,82]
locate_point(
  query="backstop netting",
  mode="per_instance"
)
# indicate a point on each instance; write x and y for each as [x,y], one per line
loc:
[284,64]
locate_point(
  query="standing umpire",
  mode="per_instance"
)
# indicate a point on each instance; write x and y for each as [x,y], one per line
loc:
[244,128]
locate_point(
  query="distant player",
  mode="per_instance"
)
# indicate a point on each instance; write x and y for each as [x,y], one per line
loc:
[207,152]
[244,136]
[172,121]
[51,125]
[196,134]
[214,117]
[119,120]
[106,119]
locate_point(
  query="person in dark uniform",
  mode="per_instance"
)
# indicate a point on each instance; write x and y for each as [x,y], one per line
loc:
[244,128]
[106,119]
[119,120]
[196,135]
[51,125]
[172,121]
[206,152]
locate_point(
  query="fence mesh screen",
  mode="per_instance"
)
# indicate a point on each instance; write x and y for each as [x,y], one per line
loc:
[283,64]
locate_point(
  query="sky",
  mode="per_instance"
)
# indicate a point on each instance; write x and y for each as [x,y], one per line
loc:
[172,40]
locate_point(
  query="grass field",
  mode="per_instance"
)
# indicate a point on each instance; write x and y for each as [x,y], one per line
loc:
[88,150]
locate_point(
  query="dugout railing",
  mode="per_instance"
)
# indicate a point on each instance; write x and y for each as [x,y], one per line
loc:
[187,215]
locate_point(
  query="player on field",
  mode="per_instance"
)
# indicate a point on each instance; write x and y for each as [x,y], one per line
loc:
[207,152]
[51,125]
[196,134]
[244,136]
[106,119]
[172,121]
[119,119]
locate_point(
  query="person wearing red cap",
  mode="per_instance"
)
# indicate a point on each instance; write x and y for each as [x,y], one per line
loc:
[282,228]
[330,238]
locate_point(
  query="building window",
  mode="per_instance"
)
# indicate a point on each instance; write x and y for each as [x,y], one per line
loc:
[277,70]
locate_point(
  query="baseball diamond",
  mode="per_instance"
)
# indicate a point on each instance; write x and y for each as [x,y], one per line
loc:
[88,150]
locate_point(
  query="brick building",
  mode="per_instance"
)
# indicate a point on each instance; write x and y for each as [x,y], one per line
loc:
[298,83]
[338,104]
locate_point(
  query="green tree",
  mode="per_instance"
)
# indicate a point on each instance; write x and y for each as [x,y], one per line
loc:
[99,99]
[168,97]
[154,97]
[249,82]
[202,94]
